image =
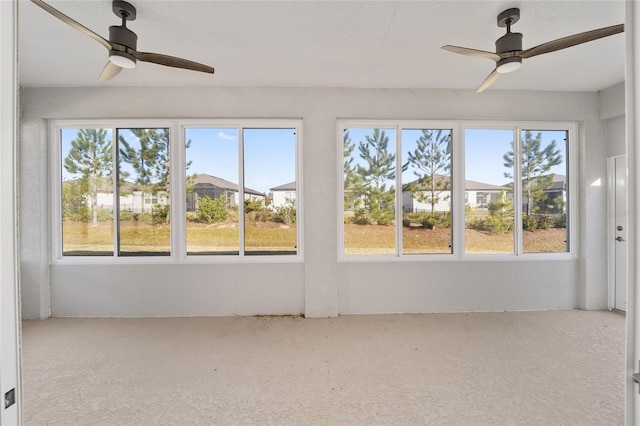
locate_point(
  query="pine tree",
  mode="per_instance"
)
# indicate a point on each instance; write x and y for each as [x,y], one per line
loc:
[536,164]
[375,174]
[432,162]
[91,156]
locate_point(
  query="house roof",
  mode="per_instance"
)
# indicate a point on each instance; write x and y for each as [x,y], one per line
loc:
[291,186]
[472,185]
[469,185]
[204,179]
[557,181]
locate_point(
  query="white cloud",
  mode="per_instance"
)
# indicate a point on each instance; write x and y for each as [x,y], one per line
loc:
[222,135]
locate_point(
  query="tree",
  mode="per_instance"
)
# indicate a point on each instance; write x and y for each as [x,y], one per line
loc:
[432,162]
[91,157]
[351,179]
[373,177]
[536,165]
[150,161]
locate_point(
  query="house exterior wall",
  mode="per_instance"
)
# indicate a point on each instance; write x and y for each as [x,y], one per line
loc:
[280,197]
[319,286]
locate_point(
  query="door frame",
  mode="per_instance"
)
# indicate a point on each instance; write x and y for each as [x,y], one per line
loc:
[611,232]
[10,413]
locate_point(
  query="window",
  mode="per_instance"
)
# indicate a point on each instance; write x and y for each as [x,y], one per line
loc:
[143,192]
[87,195]
[386,212]
[211,190]
[545,191]
[428,188]
[489,224]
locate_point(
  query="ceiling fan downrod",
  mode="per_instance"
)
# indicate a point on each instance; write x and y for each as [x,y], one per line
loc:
[122,35]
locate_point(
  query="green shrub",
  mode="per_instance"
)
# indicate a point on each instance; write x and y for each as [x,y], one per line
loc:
[361,217]
[560,221]
[286,213]
[105,215]
[253,205]
[529,222]
[545,222]
[159,214]
[212,210]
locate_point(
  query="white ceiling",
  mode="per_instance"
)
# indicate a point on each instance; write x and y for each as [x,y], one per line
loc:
[373,44]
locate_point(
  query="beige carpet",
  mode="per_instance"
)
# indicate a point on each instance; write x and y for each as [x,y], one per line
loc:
[562,367]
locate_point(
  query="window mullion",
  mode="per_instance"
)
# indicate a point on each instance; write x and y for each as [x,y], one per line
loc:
[517,191]
[116,193]
[458,204]
[398,195]
[177,186]
[241,216]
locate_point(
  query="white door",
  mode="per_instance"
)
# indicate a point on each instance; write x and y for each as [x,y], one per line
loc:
[620,234]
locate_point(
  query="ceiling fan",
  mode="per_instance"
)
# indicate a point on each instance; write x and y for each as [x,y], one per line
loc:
[122,43]
[509,54]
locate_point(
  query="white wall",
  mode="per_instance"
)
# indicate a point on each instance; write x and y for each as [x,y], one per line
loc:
[612,112]
[320,286]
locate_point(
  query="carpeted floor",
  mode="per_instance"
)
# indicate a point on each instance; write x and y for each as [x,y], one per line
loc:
[559,367]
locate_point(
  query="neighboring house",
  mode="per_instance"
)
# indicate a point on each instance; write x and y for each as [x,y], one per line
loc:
[477,195]
[280,194]
[556,196]
[213,187]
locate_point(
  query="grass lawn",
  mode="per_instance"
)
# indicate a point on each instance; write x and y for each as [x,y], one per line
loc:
[368,239]
[83,238]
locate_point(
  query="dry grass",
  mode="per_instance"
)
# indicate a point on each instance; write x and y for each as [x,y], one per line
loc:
[81,238]
[369,239]
[265,237]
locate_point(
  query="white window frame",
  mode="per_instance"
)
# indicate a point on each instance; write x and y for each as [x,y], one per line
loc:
[458,195]
[177,172]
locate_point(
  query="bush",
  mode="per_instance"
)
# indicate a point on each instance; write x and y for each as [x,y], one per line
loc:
[253,205]
[560,221]
[159,214]
[258,216]
[545,222]
[529,222]
[385,217]
[286,213]
[212,210]
[361,217]
[428,220]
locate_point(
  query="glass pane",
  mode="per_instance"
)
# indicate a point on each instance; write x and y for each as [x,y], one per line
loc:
[489,224]
[87,192]
[426,191]
[544,191]
[369,191]
[143,188]
[270,168]
[212,191]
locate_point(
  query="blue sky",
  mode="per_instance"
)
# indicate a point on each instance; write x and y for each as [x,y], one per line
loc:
[270,153]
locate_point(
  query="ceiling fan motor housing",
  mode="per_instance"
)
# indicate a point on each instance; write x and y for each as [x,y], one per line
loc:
[510,42]
[124,36]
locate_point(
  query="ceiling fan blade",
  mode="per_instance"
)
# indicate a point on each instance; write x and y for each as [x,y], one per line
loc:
[64,18]
[572,40]
[171,61]
[491,78]
[472,52]
[110,70]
